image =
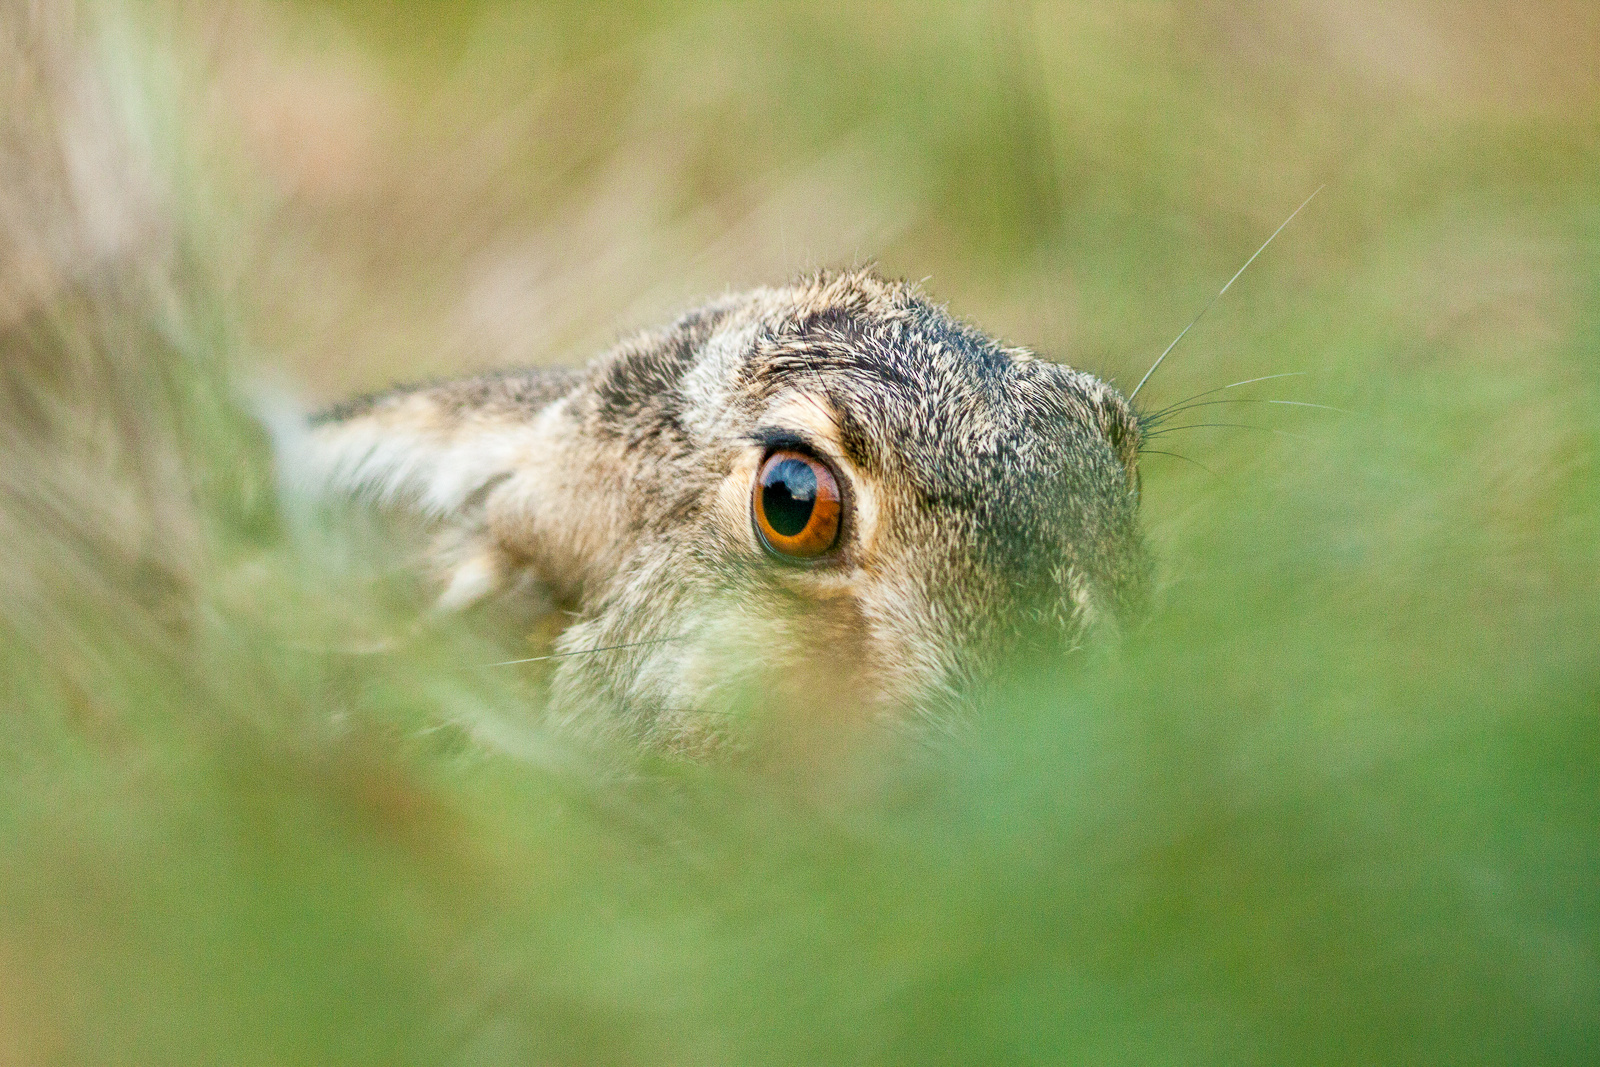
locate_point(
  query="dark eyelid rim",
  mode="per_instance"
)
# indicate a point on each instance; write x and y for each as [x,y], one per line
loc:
[775,438]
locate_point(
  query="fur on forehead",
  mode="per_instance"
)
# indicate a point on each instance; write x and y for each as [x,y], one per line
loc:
[903,376]
[726,381]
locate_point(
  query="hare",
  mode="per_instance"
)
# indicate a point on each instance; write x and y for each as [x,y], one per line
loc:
[828,494]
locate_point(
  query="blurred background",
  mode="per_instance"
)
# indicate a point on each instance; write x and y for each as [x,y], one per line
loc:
[449,186]
[1335,803]
[458,184]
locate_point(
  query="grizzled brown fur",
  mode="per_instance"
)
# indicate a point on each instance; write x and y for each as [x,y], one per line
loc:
[990,502]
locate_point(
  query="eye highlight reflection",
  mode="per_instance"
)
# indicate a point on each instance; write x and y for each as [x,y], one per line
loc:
[796,505]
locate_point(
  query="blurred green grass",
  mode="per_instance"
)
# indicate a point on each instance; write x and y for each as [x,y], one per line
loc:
[1335,803]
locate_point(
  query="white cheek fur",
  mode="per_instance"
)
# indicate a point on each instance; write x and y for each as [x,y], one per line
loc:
[731,507]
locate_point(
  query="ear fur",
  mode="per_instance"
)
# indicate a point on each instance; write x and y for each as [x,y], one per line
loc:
[412,451]
[438,452]
[431,450]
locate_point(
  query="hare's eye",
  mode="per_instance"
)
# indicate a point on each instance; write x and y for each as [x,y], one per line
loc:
[796,505]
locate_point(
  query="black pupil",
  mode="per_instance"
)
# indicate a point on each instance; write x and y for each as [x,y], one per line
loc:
[788,493]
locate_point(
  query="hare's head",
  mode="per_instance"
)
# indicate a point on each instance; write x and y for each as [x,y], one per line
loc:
[830,496]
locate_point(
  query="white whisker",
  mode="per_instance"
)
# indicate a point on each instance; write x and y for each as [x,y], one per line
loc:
[1304,404]
[579,652]
[1221,291]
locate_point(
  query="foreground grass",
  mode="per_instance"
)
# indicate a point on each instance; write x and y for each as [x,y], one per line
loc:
[1335,803]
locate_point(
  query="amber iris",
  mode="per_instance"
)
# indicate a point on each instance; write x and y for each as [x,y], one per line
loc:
[796,505]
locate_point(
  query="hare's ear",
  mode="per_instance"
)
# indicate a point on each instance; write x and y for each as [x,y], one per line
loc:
[428,450]
[436,452]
